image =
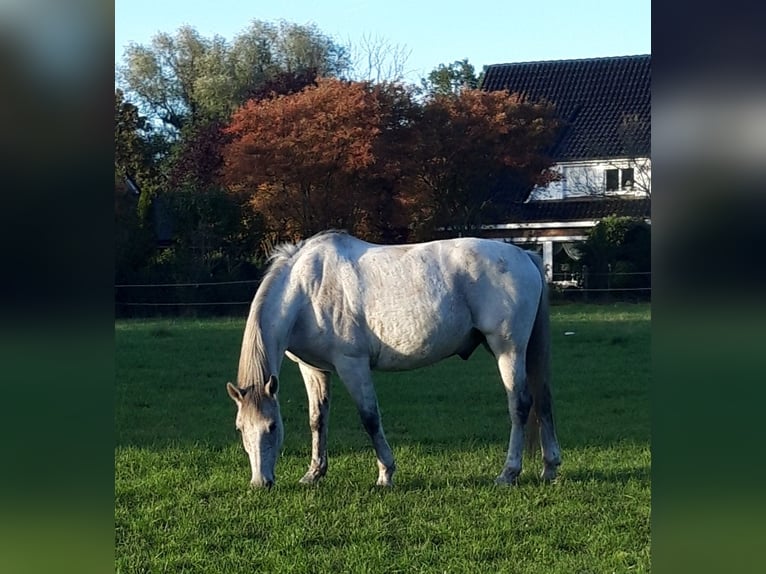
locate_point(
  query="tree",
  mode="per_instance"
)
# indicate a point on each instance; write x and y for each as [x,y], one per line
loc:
[215,235]
[295,47]
[135,143]
[617,253]
[134,165]
[188,78]
[451,79]
[283,84]
[196,159]
[312,160]
[477,148]
[376,59]
[187,85]
[163,76]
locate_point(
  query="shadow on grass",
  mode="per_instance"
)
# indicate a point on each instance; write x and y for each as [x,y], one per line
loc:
[621,476]
[529,481]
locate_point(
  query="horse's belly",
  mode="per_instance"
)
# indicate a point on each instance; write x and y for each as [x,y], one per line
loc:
[413,338]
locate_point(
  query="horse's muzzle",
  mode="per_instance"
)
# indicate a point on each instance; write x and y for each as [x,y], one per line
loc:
[267,483]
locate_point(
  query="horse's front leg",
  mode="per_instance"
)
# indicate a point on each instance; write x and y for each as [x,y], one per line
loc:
[318,390]
[356,377]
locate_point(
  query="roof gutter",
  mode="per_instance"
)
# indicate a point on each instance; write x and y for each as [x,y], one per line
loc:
[543,225]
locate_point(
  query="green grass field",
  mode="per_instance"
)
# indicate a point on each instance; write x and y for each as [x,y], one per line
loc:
[182,496]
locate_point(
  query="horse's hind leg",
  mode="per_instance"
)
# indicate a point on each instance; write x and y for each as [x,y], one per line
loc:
[356,377]
[318,391]
[548,440]
[511,364]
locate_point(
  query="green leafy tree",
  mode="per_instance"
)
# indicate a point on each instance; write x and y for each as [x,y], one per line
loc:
[215,235]
[451,79]
[134,166]
[617,253]
[135,143]
[188,78]
[187,85]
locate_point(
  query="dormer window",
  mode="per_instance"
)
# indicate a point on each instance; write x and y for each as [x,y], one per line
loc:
[619,179]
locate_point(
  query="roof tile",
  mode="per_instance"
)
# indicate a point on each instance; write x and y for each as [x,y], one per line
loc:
[579,209]
[604,103]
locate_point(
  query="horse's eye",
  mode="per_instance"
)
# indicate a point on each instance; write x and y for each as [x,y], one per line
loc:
[239,429]
[272,427]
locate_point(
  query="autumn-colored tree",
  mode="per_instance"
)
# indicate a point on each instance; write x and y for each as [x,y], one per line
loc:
[306,158]
[388,178]
[196,160]
[478,151]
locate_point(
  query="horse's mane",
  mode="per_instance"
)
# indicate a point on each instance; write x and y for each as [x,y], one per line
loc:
[253,366]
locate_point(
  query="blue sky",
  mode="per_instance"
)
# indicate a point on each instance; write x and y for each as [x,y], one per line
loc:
[484,31]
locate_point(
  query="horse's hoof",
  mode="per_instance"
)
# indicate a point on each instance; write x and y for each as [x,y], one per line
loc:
[386,475]
[503,481]
[549,474]
[507,478]
[309,478]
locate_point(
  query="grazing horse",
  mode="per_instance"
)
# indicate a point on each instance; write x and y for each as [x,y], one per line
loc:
[334,303]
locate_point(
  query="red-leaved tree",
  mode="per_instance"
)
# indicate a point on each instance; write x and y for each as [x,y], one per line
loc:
[478,152]
[372,160]
[306,158]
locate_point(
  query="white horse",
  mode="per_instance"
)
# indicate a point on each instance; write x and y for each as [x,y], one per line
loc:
[334,303]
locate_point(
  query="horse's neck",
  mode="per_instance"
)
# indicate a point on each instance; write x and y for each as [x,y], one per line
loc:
[271,321]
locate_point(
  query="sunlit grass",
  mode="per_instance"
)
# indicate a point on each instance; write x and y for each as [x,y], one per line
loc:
[183,501]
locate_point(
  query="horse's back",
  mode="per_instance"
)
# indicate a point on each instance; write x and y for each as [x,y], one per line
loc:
[412,305]
[501,283]
[430,300]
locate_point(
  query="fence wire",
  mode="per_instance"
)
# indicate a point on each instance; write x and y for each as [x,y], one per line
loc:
[168,301]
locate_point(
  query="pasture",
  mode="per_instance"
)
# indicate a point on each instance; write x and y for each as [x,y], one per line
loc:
[183,502]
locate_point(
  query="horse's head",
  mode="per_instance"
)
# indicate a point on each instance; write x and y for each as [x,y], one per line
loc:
[260,424]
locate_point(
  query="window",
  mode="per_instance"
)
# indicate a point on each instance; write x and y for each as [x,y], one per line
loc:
[626,178]
[612,179]
[619,179]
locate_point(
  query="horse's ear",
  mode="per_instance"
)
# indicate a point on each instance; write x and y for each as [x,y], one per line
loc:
[235,394]
[272,386]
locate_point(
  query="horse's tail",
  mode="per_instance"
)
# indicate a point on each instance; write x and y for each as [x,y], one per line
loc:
[538,361]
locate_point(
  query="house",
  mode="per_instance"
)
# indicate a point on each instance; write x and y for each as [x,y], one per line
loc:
[602,154]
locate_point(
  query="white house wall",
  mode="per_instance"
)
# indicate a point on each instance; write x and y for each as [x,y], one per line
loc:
[583,179]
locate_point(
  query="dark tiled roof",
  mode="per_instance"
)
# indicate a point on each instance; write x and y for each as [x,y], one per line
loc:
[604,103]
[577,209]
